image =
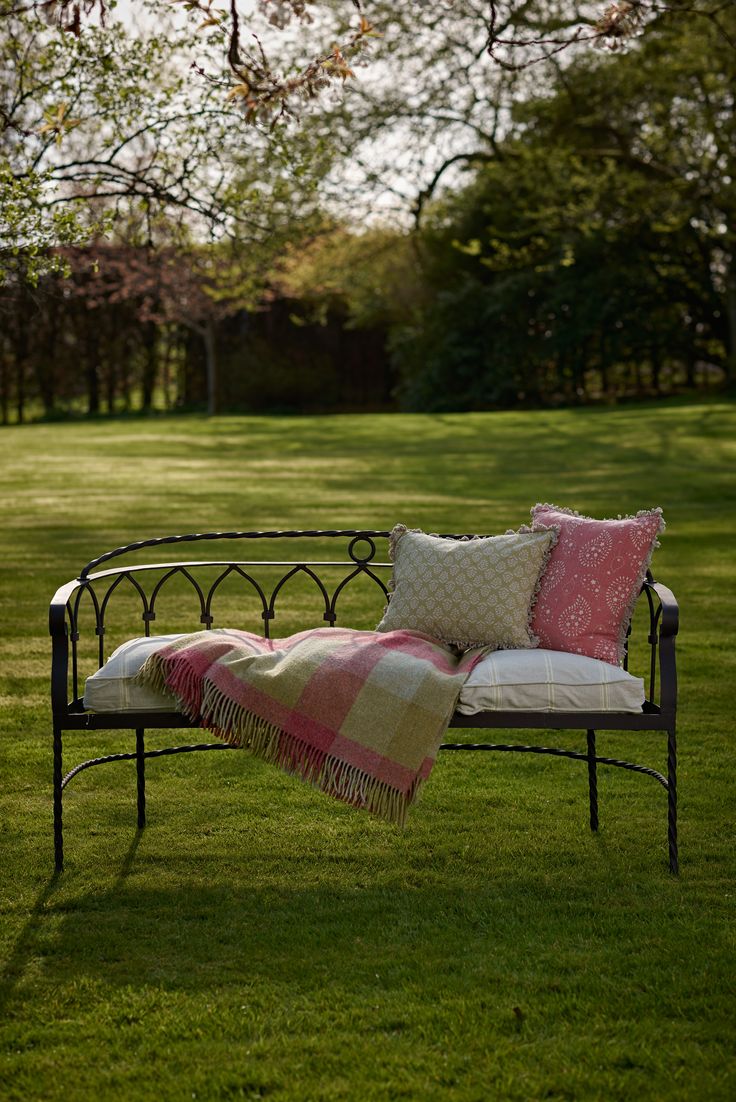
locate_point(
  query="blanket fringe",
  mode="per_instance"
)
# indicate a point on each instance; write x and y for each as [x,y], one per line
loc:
[155,674]
[152,674]
[237,726]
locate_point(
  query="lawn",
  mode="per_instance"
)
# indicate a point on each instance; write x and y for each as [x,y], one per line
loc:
[258,940]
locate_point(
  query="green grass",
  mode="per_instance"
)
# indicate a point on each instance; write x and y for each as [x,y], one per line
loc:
[258,940]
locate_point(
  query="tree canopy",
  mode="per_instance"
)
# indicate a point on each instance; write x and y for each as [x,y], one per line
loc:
[101,128]
[594,251]
[516,215]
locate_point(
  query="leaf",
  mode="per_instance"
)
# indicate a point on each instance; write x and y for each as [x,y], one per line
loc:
[238,90]
[57,122]
[367,29]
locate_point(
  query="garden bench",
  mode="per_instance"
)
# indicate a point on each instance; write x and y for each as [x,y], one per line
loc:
[81,621]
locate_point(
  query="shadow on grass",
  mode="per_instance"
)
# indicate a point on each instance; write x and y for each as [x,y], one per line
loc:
[339,924]
[27,944]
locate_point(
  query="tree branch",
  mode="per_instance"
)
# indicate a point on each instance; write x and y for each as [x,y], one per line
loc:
[426,193]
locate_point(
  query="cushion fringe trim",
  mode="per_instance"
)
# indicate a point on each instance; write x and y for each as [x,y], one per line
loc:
[400,530]
[554,530]
[636,589]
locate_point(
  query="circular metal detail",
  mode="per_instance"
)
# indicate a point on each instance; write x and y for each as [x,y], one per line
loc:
[355,556]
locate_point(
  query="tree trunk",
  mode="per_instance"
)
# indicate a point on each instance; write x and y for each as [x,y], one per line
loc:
[578,373]
[690,370]
[603,365]
[213,396]
[45,367]
[21,356]
[656,362]
[113,358]
[150,365]
[5,387]
[166,368]
[731,323]
[93,379]
[187,385]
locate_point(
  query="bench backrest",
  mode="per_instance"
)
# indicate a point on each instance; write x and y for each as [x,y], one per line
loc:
[324,576]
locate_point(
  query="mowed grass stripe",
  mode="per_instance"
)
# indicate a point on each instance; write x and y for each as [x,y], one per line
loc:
[258,940]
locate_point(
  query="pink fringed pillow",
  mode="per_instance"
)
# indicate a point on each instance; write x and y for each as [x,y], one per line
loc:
[588,591]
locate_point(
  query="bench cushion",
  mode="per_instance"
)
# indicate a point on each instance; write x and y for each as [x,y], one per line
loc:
[549,681]
[113,688]
[514,680]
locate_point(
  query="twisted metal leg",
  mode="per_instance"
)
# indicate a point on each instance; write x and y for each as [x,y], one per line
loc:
[58,825]
[140,765]
[672,801]
[592,781]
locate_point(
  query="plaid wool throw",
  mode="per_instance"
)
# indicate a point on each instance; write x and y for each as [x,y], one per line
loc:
[358,714]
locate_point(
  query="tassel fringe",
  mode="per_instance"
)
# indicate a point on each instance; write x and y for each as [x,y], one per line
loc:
[235,725]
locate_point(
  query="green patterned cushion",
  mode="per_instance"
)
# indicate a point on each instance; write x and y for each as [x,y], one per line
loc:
[470,592]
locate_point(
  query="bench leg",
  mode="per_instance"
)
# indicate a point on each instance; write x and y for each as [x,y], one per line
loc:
[140,765]
[58,826]
[592,781]
[672,801]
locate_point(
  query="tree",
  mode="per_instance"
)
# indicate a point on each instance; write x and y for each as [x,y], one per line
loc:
[434,101]
[100,128]
[162,287]
[518,34]
[594,242]
[659,122]
[593,253]
[249,77]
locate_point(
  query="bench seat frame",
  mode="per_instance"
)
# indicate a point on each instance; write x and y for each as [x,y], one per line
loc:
[148,580]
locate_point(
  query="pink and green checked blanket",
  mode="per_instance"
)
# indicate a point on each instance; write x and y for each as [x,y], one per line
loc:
[359,714]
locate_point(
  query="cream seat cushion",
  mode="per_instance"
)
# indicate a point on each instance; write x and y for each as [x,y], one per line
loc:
[549,681]
[514,680]
[113,688]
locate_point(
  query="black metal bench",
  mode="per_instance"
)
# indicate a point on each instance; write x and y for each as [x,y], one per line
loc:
[89,596]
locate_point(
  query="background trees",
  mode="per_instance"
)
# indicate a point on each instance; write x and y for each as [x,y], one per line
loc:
[505,231]
[101,137]
[593,252]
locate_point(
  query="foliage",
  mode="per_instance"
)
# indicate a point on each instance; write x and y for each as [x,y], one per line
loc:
[32,229]
[591,255]
[252,82]
[103,128]
[257,940]
[516,36]
[598,239]
[523,35]
[369,275]
[134,327]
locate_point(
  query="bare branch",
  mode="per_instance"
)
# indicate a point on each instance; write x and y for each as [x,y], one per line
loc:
[475,157]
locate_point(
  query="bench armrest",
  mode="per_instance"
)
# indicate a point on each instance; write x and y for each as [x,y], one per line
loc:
[670,615]
[59,632]
[665,623]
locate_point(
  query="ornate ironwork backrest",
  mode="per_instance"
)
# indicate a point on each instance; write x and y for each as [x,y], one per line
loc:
[262,580]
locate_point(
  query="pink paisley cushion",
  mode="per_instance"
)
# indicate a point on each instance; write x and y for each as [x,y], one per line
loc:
[588,591]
